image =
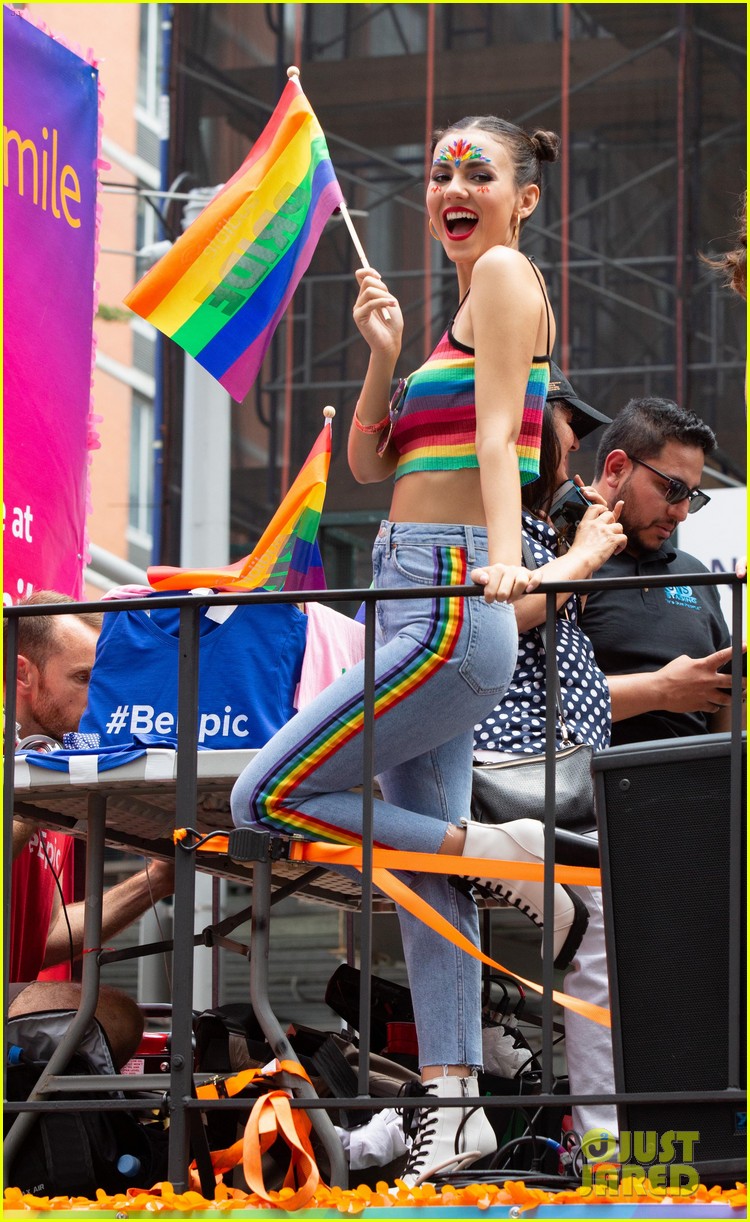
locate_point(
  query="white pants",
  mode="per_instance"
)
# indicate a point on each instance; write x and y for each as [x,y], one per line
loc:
[589,1045]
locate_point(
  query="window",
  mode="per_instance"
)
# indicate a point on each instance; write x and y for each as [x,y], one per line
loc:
[141,494]
[149,64]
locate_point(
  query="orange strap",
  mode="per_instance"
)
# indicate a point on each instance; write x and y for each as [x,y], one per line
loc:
[273,1118]
[439,863]
[326,853]
[226,1088]
[408,899]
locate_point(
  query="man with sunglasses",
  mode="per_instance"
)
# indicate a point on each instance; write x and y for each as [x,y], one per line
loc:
[660,648]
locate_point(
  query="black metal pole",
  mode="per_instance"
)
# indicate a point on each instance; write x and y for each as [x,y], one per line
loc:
[548,932]
[180,1086]
[368,769]
[736,855]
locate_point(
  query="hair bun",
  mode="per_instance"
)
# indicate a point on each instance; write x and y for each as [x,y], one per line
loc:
[546,145]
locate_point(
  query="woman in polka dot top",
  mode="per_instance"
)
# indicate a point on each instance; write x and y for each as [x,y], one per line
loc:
[517,724]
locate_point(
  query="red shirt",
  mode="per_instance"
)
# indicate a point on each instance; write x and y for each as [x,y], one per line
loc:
[33,892]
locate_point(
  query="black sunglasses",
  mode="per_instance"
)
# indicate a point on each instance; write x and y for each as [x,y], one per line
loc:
[677,490]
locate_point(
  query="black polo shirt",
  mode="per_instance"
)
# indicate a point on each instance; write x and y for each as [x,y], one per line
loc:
[633,631]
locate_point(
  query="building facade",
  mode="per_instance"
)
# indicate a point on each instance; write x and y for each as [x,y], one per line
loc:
[649,101]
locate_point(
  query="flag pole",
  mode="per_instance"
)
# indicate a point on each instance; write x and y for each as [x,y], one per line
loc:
[293,74]
[359,247]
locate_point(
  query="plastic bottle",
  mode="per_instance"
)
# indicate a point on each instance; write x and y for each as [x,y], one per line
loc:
[129,1166]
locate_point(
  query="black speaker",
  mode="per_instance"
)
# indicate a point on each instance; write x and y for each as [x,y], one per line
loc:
[673,880]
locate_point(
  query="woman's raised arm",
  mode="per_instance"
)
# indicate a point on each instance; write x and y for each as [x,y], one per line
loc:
[378,318]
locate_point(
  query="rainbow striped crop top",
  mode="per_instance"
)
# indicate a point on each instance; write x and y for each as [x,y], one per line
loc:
[434,417]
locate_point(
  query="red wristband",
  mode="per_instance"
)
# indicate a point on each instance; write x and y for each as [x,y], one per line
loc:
[372,429]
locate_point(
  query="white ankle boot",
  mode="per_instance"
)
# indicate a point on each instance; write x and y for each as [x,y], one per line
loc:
[449,1138]
[523,841]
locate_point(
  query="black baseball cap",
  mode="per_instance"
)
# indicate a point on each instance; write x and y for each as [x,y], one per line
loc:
[585,418]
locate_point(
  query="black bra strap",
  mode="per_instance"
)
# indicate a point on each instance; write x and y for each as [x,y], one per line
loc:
[458,307]
[544,295]
[535,270]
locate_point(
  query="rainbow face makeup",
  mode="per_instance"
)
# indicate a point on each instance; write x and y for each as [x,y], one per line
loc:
[461,150]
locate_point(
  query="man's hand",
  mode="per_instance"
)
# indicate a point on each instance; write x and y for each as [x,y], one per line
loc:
[600,534]
[121,905]
[161,878]
[684,685]
[693,685]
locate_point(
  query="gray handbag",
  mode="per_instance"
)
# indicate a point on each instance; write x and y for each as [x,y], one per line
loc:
[514,788]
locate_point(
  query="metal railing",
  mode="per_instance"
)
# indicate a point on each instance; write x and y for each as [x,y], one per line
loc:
[179,1096]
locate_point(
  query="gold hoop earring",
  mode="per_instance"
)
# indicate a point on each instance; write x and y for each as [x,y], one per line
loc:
[433,232]
[516,226]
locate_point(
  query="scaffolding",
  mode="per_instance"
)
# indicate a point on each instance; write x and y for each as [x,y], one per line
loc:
[650,104]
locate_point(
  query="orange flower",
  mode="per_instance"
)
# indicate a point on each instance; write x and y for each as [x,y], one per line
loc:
[162,1198]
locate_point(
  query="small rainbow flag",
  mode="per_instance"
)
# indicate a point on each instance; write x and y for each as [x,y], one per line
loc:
[287,556]
[222,288]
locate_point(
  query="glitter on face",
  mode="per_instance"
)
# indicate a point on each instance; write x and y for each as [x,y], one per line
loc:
[461,150]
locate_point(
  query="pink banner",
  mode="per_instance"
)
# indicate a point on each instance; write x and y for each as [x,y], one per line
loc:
[50,147]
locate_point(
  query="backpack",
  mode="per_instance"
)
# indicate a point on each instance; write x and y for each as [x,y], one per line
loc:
[72,1153]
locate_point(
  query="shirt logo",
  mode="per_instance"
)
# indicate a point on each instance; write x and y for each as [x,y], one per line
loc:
[681,596]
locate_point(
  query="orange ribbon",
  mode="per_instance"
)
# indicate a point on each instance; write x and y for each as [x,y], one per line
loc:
[440,863]
[325,853]
[272,1118]
[222,1088]
[408,899]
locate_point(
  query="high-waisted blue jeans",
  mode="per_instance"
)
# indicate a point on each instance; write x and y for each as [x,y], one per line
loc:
[440,667]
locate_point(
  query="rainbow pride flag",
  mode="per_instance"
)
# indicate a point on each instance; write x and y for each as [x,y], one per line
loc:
[287,556]
[222,288]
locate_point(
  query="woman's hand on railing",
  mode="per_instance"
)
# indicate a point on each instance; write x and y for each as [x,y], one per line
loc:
[505,583]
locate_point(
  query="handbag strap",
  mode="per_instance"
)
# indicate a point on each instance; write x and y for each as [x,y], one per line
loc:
[529,561]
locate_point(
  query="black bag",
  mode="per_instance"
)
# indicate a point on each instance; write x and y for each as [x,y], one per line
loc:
[389,1003]
[514,789]
[227,1040]
[73,1153]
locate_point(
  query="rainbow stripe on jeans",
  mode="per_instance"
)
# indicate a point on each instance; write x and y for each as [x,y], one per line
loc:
[275,798]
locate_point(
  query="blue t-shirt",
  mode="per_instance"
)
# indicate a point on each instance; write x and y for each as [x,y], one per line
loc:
[249,667]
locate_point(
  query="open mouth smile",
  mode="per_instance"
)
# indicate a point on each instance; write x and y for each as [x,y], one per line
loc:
[459,223]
